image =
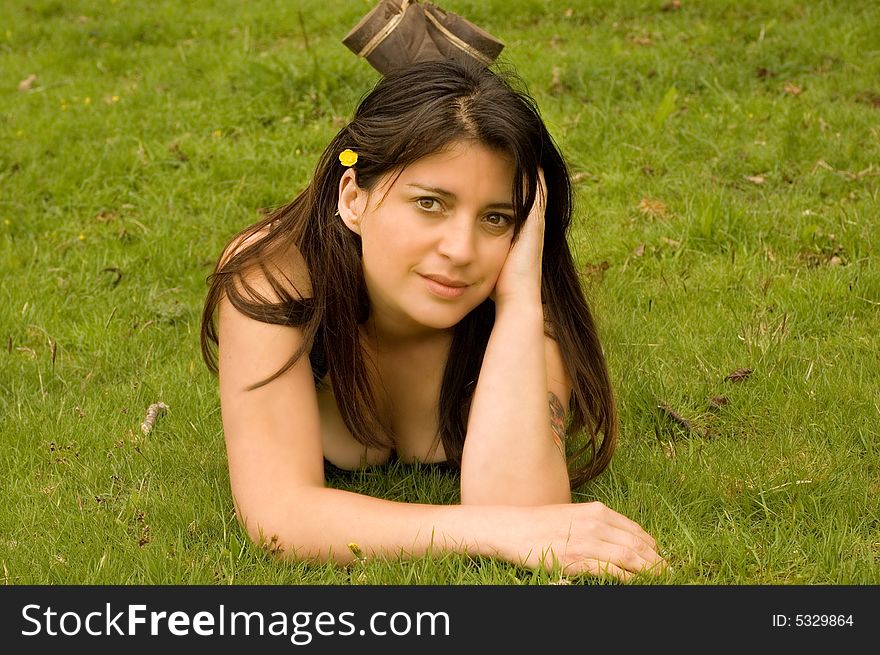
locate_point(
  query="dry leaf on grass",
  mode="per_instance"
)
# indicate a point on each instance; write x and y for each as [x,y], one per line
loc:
[738,375]
[653,208]
[871,98]
[584,176]
[716,402]
[668,411]
[27,83]
[106,216]
[596,269]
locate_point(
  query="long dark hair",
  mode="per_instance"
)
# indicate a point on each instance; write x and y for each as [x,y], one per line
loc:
[409,114]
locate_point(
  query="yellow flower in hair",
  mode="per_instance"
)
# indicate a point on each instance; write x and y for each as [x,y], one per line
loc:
[348,157]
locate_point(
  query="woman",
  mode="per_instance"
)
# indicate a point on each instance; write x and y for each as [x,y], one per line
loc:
[425,273]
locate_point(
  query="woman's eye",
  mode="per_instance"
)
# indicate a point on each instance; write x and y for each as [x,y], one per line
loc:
[499,220]
[428,204]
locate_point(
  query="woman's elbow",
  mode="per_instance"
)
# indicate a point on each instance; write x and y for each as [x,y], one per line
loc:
[280,530]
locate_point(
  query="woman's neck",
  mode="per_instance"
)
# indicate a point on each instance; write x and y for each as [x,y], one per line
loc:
[385,337]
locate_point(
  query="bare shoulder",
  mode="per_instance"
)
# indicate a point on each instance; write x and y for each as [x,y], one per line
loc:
[241,334]
[283,260]
[272,432]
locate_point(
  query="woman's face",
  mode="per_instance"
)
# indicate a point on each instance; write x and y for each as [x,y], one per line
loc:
[448,216]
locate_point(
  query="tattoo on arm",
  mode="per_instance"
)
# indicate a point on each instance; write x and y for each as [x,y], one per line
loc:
[557,422]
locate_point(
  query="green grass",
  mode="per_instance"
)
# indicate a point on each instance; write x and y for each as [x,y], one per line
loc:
[728,160]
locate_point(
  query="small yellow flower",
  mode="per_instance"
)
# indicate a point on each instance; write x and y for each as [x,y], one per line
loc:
[355,549]
[6,221]
[348,157]
[82,237]
[217,134]
[87,100]
[115,98]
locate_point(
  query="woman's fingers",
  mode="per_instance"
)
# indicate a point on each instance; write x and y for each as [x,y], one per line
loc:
[588,538]
[601,568]
[632,553]
[607,515]
[619,561]
[520,274]
[615,545]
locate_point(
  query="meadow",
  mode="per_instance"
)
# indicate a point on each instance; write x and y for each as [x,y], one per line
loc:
[726,157]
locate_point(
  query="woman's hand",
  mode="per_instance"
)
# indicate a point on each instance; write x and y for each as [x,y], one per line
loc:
[584,538]
[520,275]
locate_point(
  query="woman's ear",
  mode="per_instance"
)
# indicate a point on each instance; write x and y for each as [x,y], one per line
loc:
[352,201]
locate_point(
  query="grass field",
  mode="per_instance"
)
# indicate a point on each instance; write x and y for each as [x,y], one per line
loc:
[727,160]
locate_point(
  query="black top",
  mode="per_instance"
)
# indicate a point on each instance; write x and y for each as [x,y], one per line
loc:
[331,470]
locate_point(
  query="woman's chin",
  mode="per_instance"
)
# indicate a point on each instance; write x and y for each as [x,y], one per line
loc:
[440,323]
[446,318]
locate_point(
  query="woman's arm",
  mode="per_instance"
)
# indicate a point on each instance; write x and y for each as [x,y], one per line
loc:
[511,453]
[318,524]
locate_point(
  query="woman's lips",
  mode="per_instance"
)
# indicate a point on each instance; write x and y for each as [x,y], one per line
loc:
[452,288]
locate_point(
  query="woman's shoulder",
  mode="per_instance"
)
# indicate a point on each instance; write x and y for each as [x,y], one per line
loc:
[277,264]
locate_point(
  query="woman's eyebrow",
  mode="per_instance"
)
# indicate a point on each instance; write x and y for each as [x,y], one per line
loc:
[449,195]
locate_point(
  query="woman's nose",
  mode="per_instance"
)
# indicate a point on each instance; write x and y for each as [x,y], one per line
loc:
[457,240]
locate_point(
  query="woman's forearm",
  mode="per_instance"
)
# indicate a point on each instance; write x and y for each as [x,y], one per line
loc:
[510,457]
[318,524]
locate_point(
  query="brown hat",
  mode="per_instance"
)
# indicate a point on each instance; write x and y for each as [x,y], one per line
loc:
[397,33]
